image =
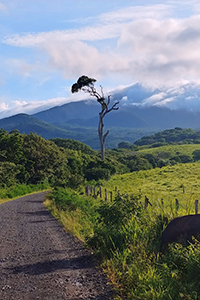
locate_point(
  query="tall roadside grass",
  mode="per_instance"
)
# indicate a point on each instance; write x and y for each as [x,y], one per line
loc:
[75,212]
[126,237]
[7,194]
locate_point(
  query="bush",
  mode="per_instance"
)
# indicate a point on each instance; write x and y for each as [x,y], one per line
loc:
[97,173]
[70,200]
[196,155]
[111,231]
[8,173]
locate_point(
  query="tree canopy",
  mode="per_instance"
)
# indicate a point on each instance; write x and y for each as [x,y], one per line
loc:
[83,81]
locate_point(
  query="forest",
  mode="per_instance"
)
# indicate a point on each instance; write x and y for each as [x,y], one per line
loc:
[122,232]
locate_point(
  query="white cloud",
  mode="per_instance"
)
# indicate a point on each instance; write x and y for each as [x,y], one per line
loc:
[158,11]
[151,47]
[19,103]
[94,33]
[77,58]
[182,96]
[162,50]
[3,106]
[106,26]
[31,107]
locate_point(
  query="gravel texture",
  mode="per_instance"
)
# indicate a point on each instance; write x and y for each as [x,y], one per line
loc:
[39,260]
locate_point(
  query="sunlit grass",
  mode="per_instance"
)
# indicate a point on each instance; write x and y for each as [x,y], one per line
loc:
[67,208]
[186,149]
[127,236]
[180,182]
[4,200]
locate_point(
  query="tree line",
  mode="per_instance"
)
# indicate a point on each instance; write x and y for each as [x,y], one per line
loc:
[169,136]
[31,159]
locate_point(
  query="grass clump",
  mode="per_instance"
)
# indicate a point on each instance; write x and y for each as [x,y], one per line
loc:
[75,212]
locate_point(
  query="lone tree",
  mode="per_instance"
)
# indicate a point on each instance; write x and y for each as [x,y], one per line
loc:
[86,85]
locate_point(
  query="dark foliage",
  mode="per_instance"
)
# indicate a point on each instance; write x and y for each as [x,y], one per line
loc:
[170,136]
[30,159]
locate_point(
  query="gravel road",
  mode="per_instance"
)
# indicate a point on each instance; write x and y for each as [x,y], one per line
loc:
[39,260]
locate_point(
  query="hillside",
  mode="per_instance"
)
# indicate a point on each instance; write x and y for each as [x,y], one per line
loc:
[85,113]
[166,183]
[88,135]
[177,135]
[26,124]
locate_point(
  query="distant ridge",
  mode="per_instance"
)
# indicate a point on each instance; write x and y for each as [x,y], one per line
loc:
[26,124]
[60,114]
[85,113]
[79,121]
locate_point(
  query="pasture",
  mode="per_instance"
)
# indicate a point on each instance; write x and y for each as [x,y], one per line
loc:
[180,182]
[126,236]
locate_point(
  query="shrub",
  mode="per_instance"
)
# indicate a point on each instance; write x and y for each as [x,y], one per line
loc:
[111,231]
[196,155]
[97,173]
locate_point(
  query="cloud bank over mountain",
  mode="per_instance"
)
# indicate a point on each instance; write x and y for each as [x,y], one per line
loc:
[184,96]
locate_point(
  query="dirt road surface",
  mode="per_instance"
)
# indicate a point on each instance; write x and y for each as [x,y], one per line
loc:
[39,260]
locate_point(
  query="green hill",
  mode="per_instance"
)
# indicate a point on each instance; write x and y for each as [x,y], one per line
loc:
[169,136]
[26,124]
[181,181]
[87,135]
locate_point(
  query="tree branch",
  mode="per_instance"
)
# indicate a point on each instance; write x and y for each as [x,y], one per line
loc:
[105,111]
[92,91]
[105,135]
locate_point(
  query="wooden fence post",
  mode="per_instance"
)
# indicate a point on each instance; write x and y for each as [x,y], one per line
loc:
[100,192]
[106,197]
[111,196]
[87,190]
[196,206]
[177,204]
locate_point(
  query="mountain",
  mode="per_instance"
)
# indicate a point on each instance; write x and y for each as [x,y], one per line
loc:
[86,115]
[26,124]
[59,114]
[180,97]
[141,111]
[83,114]
[140,107]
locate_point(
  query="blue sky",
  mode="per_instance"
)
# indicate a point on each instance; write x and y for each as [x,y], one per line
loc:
[45,45]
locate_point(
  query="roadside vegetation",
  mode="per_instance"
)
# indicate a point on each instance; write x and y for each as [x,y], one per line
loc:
[126,238]
[121,232]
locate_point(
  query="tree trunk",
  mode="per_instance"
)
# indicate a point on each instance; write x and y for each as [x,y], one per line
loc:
[102,137]
[86,84]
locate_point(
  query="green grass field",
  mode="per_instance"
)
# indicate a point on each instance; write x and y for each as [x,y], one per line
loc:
[180,182]
[185,149]
[127,236]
